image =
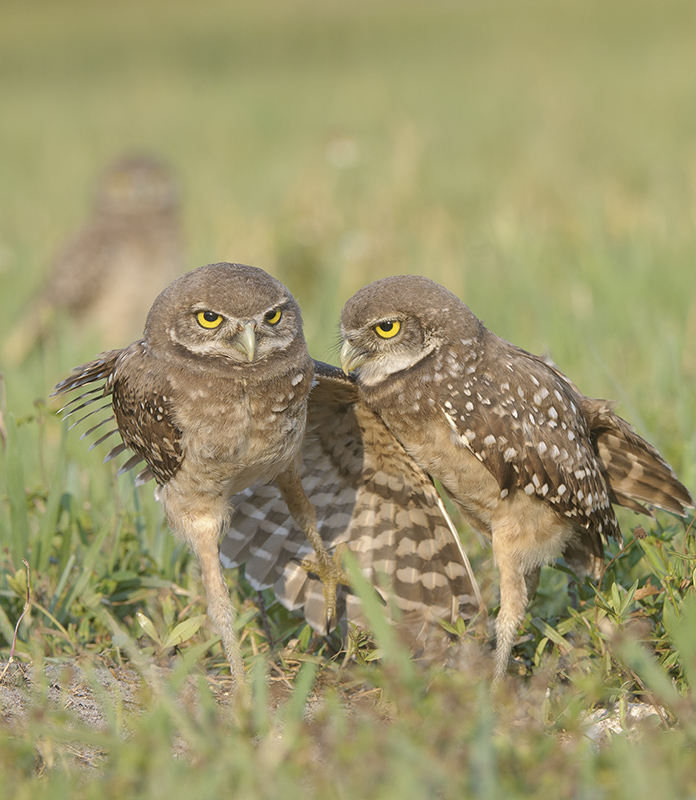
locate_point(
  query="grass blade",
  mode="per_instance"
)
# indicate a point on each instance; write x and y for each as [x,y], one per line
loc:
[384,631]
[85,575]
[42,549]
[19,518]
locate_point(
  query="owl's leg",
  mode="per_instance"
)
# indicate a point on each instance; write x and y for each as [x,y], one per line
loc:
[202,534]
[513,604]
[220,609]
[328,568]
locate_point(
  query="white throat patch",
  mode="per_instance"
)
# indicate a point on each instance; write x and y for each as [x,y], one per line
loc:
[378,369]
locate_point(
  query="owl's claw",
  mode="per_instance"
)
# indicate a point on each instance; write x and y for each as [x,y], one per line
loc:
[329,570]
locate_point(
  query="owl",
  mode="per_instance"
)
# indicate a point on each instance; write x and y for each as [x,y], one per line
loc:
[104,279]
[214,398]
[533,464]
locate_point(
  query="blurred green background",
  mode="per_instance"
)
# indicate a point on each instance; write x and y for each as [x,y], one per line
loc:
[538,158]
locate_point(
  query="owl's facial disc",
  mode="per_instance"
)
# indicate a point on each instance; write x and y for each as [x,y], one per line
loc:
[242,339]
[365,344]
[383,347]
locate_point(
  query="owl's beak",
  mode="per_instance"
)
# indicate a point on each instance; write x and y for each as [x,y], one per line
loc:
[246,341]
[352,357]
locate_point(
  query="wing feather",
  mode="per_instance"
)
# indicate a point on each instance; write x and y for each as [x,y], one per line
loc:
[371,496]
[531,434]
[143,417]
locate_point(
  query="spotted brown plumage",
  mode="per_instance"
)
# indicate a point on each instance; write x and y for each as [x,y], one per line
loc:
[533,464]
[370,497]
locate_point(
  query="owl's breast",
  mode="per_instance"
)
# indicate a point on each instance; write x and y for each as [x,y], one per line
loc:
[234,435]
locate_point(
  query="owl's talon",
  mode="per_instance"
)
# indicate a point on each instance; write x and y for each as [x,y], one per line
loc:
[329,570]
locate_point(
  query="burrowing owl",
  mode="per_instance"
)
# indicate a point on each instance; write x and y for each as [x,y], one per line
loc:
[532,463]
[105,278]
[213,398]
[370,497]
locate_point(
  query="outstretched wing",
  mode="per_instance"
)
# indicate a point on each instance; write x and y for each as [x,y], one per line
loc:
[97,375]
[370,495]
[130,408]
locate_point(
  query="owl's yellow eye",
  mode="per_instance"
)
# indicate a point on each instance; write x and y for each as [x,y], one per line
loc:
[388,329]
[208,319]
[273,317]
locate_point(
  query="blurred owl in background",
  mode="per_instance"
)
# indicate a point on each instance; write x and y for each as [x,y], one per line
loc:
[104,278]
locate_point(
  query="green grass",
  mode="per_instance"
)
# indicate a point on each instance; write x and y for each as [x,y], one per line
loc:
[538,159]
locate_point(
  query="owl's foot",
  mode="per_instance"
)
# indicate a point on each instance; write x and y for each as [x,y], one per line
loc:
[329,570]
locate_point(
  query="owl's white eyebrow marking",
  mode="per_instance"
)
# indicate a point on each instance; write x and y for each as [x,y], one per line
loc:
[282,305]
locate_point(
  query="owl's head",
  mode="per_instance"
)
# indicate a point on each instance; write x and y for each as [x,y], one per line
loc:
[394,323]
[233,312]
[135,185]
